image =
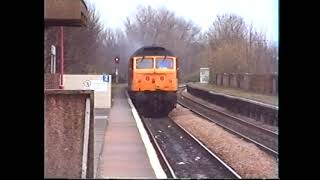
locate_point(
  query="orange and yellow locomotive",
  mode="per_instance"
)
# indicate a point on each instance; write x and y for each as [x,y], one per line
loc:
[153,80]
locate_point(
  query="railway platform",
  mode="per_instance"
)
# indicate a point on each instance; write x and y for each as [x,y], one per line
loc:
[239,102]
[100,124]
[126,151]
[238,93]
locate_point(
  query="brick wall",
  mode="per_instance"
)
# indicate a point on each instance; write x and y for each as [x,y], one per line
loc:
[52,81]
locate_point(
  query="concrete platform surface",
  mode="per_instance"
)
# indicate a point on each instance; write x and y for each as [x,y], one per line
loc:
[124,154]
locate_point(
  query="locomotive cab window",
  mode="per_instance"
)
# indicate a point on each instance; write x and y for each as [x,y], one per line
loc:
[144,63]
[162,63]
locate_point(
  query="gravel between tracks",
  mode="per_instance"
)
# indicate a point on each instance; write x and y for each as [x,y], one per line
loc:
[213,106]
[247,159]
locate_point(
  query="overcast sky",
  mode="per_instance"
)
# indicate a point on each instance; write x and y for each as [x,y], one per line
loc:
[263,14]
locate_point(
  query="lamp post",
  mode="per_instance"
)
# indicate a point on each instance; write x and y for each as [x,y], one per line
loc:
[53,59]
[116,60]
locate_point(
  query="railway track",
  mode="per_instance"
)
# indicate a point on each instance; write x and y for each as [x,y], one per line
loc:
[265,139]
[183,154]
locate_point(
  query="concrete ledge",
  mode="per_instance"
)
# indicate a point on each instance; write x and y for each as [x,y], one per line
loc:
[57,91]
[65,13]
[65,134]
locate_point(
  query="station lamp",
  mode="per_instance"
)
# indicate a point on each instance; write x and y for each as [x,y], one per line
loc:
[116,60]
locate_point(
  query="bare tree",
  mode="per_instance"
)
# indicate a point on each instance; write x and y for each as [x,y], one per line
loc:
[234,47]
[230,45]
[162,27]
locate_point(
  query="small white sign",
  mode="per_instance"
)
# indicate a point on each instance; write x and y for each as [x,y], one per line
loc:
[204,75]
[106,78]
[87,83]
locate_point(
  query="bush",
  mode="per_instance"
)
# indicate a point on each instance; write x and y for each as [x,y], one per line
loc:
[193,77]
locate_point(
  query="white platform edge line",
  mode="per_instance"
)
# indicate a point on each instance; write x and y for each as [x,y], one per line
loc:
[100,117]
[157,168]
[246,99]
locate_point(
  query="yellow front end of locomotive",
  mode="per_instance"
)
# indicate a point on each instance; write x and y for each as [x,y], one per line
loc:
[154,73]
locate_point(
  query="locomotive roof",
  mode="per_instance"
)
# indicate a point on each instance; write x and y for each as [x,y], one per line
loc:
[152,51]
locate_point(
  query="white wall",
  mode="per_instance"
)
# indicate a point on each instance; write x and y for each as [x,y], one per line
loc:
[102,95]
